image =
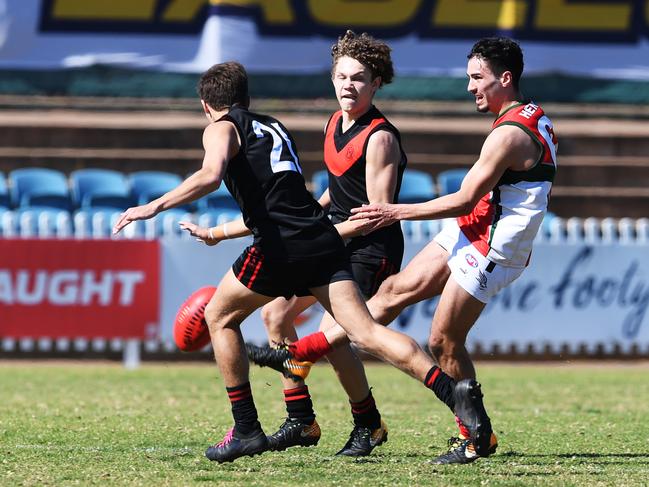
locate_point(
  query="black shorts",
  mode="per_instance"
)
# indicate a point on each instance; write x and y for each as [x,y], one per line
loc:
[369,272]
[288,279]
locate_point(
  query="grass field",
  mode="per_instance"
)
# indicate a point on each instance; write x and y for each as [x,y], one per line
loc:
[98,424]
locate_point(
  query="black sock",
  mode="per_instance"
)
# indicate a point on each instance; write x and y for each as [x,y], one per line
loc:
[442,385]
[365,413]
[243,408]
[299,404]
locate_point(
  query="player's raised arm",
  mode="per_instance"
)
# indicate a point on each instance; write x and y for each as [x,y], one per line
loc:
[504,145]
[221,143]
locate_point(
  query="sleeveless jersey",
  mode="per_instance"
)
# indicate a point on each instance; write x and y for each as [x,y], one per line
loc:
[265,178]
[345,157]
[504,223]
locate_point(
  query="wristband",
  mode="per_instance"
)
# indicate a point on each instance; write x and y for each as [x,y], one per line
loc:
[225,230]
[210,234]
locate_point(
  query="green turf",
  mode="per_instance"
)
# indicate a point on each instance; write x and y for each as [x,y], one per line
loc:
[96,424]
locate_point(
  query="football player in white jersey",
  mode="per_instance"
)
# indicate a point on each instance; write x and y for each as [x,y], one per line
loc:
[499,209]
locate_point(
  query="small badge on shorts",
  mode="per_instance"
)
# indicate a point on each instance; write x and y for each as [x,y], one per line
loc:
[471,260]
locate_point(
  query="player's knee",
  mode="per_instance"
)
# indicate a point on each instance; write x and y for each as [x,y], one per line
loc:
[387,298]
[272,317]
[442,346]
[395,293]
[217,319]
[212,316]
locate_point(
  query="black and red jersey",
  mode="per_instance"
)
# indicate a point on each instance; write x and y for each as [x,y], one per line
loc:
[265,178]
[345,157]
[504,223]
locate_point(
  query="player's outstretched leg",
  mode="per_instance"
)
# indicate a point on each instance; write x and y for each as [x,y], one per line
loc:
[280,359]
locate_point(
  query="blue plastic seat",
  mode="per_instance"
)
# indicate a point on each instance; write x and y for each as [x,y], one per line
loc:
[4,194]
[149,185]
[221,199]
[100,188]
[449,181]
[416,187]
[319,182]
[38,186]
[547,223]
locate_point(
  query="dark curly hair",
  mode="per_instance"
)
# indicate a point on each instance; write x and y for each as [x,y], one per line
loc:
[224,85]
[370,52]
[502,54]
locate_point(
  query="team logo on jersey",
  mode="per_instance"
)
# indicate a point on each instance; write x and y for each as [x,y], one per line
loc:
[471,260]
[349,152]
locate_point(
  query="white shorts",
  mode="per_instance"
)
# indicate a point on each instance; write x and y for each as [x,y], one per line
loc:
[477,275]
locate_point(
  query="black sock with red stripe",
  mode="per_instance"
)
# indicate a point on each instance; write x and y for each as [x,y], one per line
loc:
[365,413]
[243,409]
[442,385]
[299,404]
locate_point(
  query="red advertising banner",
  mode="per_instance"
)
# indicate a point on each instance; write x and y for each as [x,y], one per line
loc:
[79,288]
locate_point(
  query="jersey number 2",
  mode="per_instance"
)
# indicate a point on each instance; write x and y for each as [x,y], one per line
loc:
[279,138]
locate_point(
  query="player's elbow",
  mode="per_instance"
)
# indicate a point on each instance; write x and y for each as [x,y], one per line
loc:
[465,203]
[209,179]
[466,208]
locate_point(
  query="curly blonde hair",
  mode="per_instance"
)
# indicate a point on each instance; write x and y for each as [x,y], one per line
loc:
[370,52]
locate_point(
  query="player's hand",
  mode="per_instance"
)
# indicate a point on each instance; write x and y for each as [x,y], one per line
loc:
[202,234]
[143,212]
[376,215]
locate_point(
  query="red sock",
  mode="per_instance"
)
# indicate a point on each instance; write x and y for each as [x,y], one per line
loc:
[310,348]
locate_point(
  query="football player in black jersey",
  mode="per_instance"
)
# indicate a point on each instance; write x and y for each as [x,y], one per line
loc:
[295,251]
[365,163]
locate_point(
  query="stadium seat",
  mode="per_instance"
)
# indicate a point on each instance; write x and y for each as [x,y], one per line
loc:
[37,186]
[221,199]
[103,188]
[545,225]
[319,182]
[4,194]
[449,181]
[149,185]
[416,186]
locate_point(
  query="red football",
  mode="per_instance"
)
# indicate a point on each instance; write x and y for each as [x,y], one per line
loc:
[190,328]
